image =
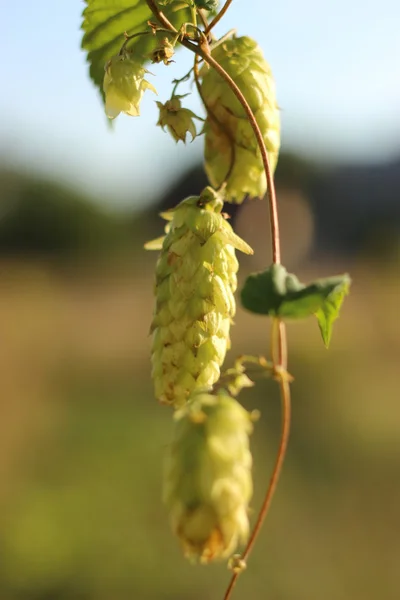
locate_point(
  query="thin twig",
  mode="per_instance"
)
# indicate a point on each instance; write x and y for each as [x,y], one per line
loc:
[128,38]
[218,17]
[177,82]
[202,17]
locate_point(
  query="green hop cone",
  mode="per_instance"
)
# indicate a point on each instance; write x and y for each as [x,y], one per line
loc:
[124,86]
[208,483]
[178,120]
[195,283]
[243,60]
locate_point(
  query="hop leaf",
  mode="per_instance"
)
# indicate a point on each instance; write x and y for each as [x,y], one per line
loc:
[178,120]
[208,482]
[195,283]
[276,292]
[230,131]
[124,86]
[329,311]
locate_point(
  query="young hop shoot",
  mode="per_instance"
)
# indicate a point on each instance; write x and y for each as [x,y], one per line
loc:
[208,483]
[243,60]
[195,283]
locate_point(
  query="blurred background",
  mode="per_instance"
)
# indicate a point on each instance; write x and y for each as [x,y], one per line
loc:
[82,440]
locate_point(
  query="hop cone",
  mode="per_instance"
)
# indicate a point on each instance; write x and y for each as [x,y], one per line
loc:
[195,283]
[124,86]
[242,59]
[208,482]
[178,120]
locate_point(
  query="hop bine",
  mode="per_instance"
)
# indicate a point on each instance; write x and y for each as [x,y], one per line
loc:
[208,483]
[228,132]
[195,283]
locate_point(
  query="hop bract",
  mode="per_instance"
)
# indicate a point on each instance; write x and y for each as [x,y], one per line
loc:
[124,86]
[208,483]
[243,60]
[178,120]
[195,283]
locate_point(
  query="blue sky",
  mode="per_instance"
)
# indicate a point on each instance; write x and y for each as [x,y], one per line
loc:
[336,65]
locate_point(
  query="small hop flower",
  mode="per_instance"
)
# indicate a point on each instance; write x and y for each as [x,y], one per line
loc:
[163,53]
[178,120]
[208,482]
[124,86]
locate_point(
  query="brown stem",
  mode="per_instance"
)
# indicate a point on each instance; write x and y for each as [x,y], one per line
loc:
[202,17]
[279,338]
[286,412]
[218,17]
[160,16]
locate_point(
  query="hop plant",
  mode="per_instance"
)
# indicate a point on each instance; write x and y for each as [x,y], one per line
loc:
[228,130]
[195,283]
[178,120]
[208,483]
[124,86]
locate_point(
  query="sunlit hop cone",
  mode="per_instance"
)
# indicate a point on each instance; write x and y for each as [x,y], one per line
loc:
[178,120]
[124,86]
[243,60]
[208,483]
[195,283]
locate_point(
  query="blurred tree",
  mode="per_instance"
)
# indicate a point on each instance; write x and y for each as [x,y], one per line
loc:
[42,218]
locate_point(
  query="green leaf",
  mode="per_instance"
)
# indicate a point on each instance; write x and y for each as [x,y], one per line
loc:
[264,292]
[104,24]
[329,312]
[277,293]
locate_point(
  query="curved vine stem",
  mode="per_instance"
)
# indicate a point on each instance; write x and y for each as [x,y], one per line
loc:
[128,38]
[279,330]
[218,17]
[279,337]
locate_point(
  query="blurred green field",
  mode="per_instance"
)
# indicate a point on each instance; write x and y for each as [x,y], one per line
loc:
[83,443]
